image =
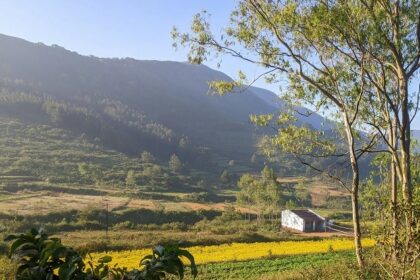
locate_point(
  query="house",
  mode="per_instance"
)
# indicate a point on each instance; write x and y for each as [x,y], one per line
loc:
[303,220]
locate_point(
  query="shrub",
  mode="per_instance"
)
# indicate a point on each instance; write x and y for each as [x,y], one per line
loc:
[40,257]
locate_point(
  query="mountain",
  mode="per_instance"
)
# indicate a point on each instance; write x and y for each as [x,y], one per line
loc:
[415,135]
[129,105]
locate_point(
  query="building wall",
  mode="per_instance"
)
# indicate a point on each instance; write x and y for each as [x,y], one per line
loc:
[291,220]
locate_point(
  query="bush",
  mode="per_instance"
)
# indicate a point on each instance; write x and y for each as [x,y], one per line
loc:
[39,257]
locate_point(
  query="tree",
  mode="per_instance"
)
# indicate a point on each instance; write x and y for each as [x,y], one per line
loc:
[91,172]
[147,157]
[183,142]
[151,174]
[130,179]
[393,55]
[304,197]
[289,39]
[225,177]
[175,164]
[263,193]
[353,59]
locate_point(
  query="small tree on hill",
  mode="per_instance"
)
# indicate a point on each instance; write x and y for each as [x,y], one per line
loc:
[183,142]
[131,179]
[175,164]
[91,172]
[147,157]
[225,177]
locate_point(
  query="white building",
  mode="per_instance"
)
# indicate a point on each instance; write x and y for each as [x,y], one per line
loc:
[303,220]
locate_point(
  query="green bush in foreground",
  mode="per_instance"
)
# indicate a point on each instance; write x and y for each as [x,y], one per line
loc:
[41,257]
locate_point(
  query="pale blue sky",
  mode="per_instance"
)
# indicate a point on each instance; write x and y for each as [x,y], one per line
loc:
[118,28]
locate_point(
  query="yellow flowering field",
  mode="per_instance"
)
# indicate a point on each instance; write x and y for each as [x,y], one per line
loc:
[241,251]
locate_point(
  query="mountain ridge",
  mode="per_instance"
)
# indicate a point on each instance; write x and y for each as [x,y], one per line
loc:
[133,105]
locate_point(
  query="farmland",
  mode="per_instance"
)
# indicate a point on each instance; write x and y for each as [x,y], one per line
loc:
[243,251]
[98,207]
[271,268]
[225,238]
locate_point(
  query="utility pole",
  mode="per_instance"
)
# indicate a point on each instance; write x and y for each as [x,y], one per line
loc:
[106,224]
[107,220]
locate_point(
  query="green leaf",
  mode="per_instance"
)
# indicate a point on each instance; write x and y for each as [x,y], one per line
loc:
[105,259]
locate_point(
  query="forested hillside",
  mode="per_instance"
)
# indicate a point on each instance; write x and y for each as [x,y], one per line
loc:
[129,106]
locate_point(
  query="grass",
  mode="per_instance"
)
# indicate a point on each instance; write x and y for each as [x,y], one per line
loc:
[54,199]
[151,235]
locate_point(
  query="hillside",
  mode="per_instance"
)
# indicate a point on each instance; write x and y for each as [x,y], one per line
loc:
[129,106]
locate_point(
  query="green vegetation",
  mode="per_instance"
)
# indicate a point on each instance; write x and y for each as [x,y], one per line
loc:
[40,257]
[175,164]
[45,153]
[256,269]
[264,192]
[359,62]
[97,150]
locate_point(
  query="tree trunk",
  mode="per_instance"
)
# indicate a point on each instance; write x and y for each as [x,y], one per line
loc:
[356,229]
[355,193]
[394,192]
[405,128]
[405,138]
[394,209]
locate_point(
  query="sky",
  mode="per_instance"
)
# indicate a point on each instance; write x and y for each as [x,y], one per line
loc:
[120,28]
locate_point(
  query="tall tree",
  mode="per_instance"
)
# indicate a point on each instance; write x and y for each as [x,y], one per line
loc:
[287,38]
[348,58]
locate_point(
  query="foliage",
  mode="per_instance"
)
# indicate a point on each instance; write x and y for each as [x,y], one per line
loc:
[131,179]
[303,195]
[354,60]
[40,153]
[225,177]
[147,157]
[41,257]
[393,241]
[90,172]
[263,192]
[175,164]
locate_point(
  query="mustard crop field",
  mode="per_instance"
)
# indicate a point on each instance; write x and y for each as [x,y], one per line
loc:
[241,251]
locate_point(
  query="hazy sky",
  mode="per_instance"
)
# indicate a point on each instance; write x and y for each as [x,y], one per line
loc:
[118,28]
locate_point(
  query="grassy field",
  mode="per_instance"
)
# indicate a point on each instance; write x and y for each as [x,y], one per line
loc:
[42,198]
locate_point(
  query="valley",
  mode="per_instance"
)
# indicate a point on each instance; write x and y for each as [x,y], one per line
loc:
[116,168]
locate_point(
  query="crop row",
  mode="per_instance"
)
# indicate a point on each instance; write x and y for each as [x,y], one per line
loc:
[255,268]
